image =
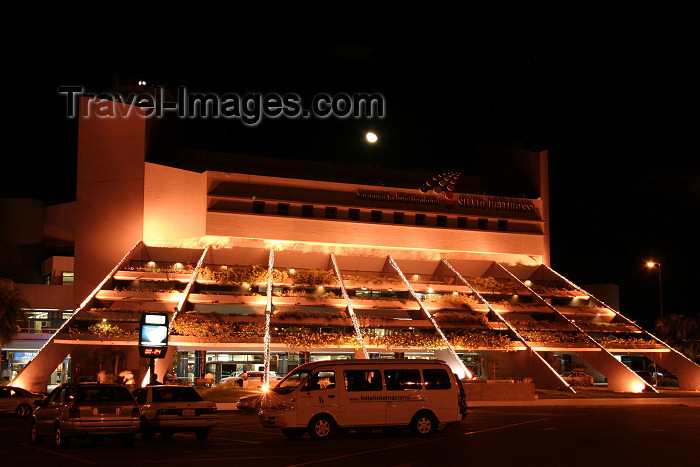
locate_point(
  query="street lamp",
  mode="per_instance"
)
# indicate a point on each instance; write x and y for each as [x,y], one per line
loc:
[652,265]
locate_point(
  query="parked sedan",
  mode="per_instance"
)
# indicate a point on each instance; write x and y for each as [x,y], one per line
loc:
[17,400]
[252,379]
[168,409]
[86,410]
[579,378]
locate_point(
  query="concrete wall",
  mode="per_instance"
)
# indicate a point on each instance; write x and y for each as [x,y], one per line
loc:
[175,203]
[109,204]
[490,390]
[358,234]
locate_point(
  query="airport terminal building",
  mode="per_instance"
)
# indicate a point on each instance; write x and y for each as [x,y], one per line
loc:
[269,263]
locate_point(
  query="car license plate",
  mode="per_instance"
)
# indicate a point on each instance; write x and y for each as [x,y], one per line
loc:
[188,412]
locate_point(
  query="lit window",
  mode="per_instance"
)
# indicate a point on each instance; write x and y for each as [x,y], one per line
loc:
[67,278]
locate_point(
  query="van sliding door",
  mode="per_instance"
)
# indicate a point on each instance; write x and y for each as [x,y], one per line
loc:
[404,394]
[362,400]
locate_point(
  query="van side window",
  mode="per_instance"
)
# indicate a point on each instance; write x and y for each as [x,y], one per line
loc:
[436,379]
[363,380]
[400,380]
[324,379]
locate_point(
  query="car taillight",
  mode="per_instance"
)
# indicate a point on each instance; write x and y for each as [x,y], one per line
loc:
[73,411]
[135,412]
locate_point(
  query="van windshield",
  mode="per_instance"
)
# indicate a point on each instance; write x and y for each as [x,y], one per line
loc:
[290,382]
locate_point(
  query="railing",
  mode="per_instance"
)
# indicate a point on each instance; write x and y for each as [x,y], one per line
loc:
[37,330]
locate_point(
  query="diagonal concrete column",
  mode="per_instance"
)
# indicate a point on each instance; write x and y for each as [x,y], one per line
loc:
[34,377]
[687,372]
[455,363]
[358,334]
[620,377]
[531,361]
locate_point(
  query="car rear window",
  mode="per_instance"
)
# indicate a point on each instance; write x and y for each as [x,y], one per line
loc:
[436,378]
[104,394]
[183,394]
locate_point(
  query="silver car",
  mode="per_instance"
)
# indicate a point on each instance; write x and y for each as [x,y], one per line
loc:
[167,409]
[86,410]
[17,400]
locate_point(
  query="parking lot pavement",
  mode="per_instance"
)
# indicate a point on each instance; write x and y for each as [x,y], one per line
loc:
[594,402]
[489,436]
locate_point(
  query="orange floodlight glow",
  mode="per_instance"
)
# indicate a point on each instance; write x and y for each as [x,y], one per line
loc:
[638,387]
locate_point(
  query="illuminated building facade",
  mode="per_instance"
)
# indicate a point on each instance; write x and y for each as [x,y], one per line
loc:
[267,263]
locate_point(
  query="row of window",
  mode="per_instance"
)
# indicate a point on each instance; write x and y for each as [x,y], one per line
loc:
[354,214]
[371,380]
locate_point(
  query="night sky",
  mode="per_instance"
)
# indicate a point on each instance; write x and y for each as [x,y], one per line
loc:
[612,96]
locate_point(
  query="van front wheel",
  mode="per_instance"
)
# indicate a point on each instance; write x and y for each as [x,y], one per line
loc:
[321,427]
[424,424]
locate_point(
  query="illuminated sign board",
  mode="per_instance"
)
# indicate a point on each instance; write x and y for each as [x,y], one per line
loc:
[153,335]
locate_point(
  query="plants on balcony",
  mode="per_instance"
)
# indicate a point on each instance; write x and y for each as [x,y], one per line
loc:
[626,342]
[301,338]
[305,294]
[553,337]
[493,285]
[465,301]
[253,274]
[372,279]
[314,277]
[102,330]
[460,317]
[304,314]
[213,325]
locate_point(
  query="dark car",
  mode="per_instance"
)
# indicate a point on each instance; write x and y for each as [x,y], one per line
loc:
[17,400]
[86,410]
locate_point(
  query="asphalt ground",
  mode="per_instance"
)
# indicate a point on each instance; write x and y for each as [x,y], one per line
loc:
[551,435]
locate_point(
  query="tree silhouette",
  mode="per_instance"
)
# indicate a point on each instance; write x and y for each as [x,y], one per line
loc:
[681,332]
[12,315]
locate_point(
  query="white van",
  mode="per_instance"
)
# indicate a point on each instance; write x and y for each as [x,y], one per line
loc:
[331,395]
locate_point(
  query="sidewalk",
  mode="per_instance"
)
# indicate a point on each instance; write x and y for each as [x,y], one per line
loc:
[595,402]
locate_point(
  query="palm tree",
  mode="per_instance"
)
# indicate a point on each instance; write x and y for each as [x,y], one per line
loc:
[681,332]
[12,305]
